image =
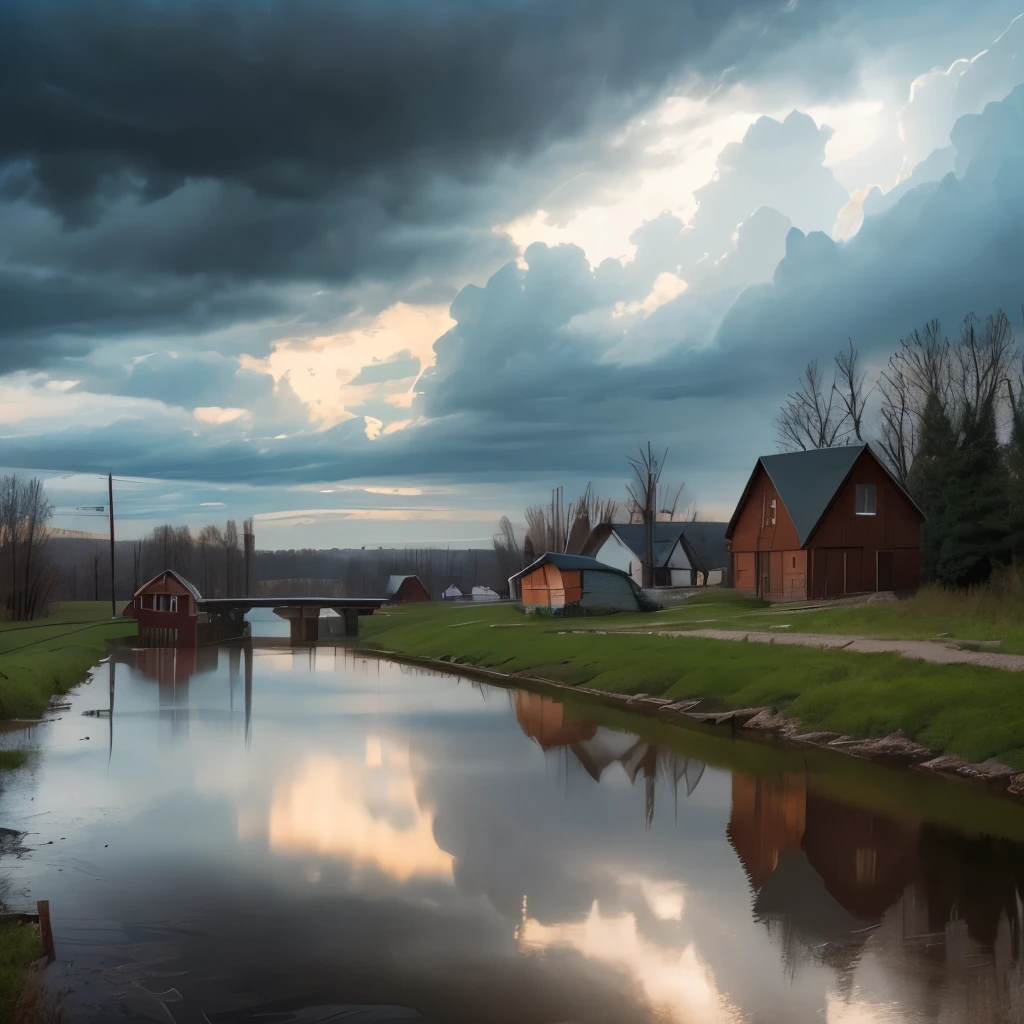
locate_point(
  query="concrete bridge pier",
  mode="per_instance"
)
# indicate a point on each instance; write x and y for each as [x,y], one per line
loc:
[304,623]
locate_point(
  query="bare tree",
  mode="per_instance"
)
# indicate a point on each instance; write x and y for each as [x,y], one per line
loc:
[643,501]
[849,386]
[506,547]
[230,558]
[137,549]
[811,417]
[29,579]
[899,412]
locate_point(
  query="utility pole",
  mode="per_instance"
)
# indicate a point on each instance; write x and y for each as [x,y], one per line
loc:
[110,495]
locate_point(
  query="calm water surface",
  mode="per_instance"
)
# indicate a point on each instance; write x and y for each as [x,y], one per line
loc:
[286,836]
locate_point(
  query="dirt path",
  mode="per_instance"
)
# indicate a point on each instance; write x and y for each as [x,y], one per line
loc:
[940,652]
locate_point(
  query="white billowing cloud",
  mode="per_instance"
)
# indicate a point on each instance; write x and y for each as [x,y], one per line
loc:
[939,97]
[216,415]
[320,371]
[373,427]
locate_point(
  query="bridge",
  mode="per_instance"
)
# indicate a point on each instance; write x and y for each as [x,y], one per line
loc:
[302,613]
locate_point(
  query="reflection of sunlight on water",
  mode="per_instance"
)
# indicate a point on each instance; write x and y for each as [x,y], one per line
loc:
[326,808]
[676,982]
[838,1011]
[374,755]
[665,900]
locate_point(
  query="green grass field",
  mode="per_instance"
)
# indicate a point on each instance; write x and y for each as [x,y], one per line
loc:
[984,614]
[48,656]
[970,711]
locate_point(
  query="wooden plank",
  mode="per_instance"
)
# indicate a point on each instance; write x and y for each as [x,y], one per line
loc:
[45,931]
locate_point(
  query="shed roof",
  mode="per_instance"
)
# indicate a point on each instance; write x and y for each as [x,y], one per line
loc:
[190,587]
[570,563]
[704,542]
[395,582]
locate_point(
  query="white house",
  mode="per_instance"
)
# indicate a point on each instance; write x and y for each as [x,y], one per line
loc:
[484,594]
[451,594]
[685,554]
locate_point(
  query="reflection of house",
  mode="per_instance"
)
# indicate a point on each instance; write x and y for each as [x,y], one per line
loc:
[860,861]
[173,667]
[685,554]
[406,589]
[554,581]
[597,748]
[167,610]
[768,819]
[544,721]
[830,877]
[824,523]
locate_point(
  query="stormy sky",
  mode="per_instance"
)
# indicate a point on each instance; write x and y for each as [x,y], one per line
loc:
[378,272]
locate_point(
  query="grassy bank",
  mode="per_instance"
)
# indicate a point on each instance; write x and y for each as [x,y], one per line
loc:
[992,612]
[48,656]
[20,945]
[970,711]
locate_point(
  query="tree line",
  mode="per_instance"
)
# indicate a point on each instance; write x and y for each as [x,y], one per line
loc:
[946,416]
[27,577]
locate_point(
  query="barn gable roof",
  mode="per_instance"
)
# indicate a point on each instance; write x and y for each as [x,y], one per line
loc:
[395,582]
[190,587]
[808,482]
[570,563]
[704,543]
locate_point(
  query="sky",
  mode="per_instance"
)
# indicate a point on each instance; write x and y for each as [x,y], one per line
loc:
[380,272]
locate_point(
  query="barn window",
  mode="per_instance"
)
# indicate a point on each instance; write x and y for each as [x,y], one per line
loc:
[866,498]
[769,519]
[174,602]
[794,561]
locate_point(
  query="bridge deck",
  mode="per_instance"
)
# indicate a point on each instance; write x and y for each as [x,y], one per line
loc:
[216,604]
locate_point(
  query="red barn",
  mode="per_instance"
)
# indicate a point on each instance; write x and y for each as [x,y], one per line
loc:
[402,589]
[824,523]
[167,610]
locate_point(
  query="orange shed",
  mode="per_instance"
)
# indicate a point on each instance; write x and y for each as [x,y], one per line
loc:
[555,581]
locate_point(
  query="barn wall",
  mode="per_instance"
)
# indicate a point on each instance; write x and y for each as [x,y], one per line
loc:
[744,570]
[543,588]
[895,527]
[751,533]
[411,590]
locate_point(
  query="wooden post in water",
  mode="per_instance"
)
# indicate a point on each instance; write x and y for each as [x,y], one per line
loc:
[45,931]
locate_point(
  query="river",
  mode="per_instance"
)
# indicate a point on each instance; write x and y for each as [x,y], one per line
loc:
[295,836]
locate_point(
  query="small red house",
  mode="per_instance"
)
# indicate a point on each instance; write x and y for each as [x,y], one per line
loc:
[167,610]
[819,524]
[402,589]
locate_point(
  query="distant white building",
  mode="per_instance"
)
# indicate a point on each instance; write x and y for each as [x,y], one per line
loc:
[685,554]
[484,594]
[451,594]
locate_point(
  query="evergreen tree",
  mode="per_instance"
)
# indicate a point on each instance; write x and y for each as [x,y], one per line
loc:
[932,482]
[977,512]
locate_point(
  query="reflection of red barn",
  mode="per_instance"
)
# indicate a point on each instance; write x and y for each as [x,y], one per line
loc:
[779,828]
[167,610]
[403,589]
[543,720]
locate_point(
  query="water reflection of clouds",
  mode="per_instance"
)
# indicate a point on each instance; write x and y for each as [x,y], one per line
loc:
[367,783]
[328,808]
[679,985]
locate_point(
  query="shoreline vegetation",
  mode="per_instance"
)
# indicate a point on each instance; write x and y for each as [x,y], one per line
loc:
[971,712]
[47,657]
